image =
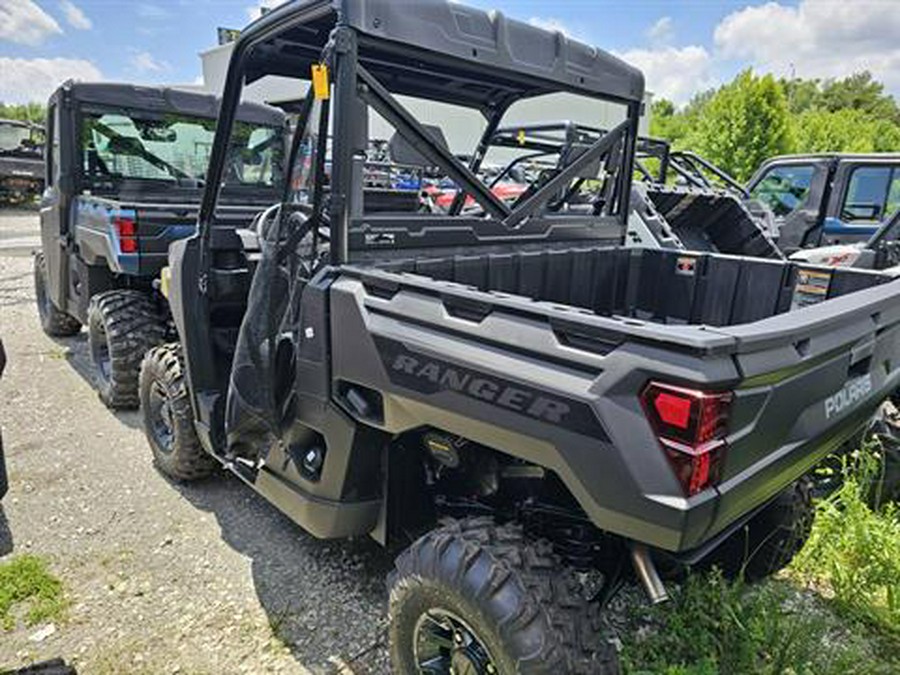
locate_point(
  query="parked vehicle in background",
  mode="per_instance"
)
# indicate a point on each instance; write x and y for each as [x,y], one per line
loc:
[824,199]
[698,216]
[880,252]
[657,163]
[513,391]
[21,161]
[125,176]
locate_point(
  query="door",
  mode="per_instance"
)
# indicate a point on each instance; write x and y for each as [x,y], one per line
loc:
[866,195]
[273,353]
[795,191]
[54,226]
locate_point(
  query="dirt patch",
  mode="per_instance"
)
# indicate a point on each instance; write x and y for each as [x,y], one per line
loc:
[160,578]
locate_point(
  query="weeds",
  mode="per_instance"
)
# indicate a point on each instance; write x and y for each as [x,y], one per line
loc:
[713,626]
[851,626]
[854,552]
[27,579]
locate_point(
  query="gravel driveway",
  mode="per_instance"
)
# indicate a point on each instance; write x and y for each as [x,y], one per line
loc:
[162,578]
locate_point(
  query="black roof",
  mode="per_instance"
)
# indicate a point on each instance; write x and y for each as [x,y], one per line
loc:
[162,99]
[439,49]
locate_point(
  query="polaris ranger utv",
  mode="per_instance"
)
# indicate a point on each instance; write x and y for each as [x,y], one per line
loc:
[826,199]
[699,216]
[514,392]
[21,161]
[124,180]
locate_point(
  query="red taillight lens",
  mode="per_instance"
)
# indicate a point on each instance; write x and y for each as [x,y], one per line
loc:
[673,410]
[127,231]
[691,426]
[126,227]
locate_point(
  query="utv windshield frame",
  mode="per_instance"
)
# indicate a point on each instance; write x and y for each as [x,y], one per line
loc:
[89,119]
[73,100]
[377,50]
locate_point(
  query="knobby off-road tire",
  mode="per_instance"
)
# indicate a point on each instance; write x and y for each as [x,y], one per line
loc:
[885,487]
[169,418]
[771,539]
[54,321]
[122,326]
[498,602]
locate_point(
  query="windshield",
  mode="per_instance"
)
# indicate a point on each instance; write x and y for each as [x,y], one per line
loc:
[521,157]
[176,149]
[784,188]
[16,137]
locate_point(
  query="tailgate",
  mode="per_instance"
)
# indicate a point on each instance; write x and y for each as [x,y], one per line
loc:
[159,225]
[811,378]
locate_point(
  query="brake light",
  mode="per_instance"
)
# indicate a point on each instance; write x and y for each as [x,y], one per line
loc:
[126,228]
[691,426]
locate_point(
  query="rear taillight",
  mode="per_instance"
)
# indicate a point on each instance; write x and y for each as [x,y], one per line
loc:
[691,426]
[127,231]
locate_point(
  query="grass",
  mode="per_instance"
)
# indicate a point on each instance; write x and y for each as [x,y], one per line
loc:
[835,611]
[27,580]
[853,555]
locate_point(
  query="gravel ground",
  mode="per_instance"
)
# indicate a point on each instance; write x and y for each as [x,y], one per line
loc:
[206,578]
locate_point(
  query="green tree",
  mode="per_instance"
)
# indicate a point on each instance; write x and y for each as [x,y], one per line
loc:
[841,131]
[742,124]
[802,95]
[664,119]
[859,92]
[28,112]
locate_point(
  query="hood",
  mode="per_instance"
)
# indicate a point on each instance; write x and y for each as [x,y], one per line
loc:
[838,255]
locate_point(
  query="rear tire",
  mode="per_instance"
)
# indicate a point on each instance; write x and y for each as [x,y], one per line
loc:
[771,539]
[54,322]
[886,430]
[122,326]
[481,598]
[169,418]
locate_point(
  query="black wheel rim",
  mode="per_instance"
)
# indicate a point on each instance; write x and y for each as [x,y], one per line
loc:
[100,351]
[159,413]
[444,644]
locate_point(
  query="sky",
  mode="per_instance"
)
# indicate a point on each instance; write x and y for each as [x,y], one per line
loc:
[683,47]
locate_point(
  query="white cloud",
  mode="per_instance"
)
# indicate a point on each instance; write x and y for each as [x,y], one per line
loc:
[75,16]
[675,73]
[661,31]
[22,21]
[27,80]
[145,62]
[817,38]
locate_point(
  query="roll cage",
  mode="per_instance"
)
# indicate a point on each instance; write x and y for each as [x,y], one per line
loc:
[378,50]
[695,170]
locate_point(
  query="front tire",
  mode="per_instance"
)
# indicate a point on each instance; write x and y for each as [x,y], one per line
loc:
[169,418]
[122,326]
[474,597]
[54,321]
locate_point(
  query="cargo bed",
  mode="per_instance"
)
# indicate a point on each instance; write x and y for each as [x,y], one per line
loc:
[808,353]
[658,286]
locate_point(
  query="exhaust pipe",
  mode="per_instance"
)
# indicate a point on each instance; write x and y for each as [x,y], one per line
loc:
[645,569]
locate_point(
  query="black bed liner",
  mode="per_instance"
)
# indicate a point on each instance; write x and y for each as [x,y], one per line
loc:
[703,219]
[661,286]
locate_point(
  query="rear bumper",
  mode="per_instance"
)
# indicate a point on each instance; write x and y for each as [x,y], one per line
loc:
[757,485]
